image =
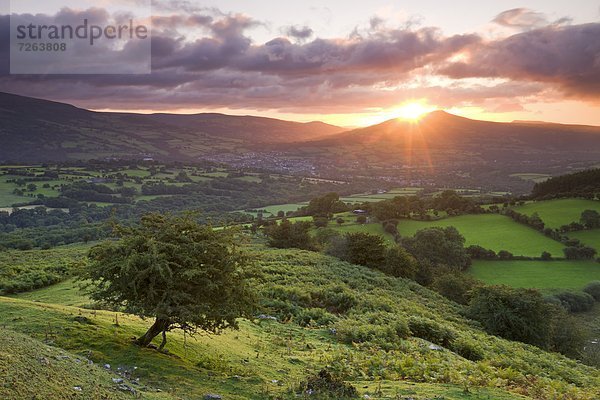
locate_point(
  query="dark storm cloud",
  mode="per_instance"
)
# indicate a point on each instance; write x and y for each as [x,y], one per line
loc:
[566,57]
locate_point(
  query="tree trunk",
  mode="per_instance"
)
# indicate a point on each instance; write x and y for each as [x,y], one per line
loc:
[164,341]
[161,325]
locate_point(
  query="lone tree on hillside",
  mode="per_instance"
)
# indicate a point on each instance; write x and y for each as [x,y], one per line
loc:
[185,275]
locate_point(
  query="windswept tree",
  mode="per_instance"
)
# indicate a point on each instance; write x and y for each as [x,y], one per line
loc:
[184,275]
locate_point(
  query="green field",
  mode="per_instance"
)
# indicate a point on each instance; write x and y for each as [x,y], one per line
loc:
[537,274]
[556,213]
[374,229]
[532,177]
[491,231]
[590,237]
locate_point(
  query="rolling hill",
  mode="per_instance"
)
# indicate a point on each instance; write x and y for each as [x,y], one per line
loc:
[39,130]
[390,337]
[441,139]
[483,151]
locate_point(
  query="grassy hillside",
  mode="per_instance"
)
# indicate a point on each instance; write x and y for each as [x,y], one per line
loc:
[31,269]
[372,316]
[491,231]
[33,370]
[537,274]
[556,213]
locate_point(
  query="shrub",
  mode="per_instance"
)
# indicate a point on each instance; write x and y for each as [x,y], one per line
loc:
[593,289]
[320,222]
[569,336]
[430,330]
[575,301]
[468,348]
[335,299]
[324,236]
[326,386]
[455,286]
[290,235]
[479,253]
[515,314]
[315,317]
[391,227]
[505,255]
[439,246]
[399,263]
[378,328]
[365,249]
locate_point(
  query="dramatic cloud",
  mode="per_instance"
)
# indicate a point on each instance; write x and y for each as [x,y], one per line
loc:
[566,57]
[205,58]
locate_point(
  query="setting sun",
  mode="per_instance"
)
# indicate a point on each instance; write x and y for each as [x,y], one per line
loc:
[413,111]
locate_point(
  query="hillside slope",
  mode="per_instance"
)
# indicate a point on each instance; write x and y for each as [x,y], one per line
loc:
[39,130]
[31,369]
[442,140]
[357,322]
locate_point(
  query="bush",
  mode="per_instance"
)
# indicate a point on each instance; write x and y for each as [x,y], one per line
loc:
[575,301]
[505,255]
[324,236]
[391,227]
[479,253]
[335,299]
[455,286]
[569,336]
[468,348]
[430,330]
[439,246]
[399,263]
[593,289]
[365,249]
[378,328]
[514,314]
[290,235]
[320,222]
[326,386]
[315,317]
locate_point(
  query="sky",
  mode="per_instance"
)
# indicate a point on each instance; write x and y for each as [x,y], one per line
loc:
[348,63]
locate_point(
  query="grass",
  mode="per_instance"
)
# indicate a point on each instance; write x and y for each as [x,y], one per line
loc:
[491,231]
[374,229]
[7,198]
[532,177]
[66,293]
[556,213]
[537,274]
[26,270]
[33,370]
[589,237]
[267,359]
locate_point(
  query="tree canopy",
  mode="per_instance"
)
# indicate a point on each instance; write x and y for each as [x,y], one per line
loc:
[439,246]
[185,275]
